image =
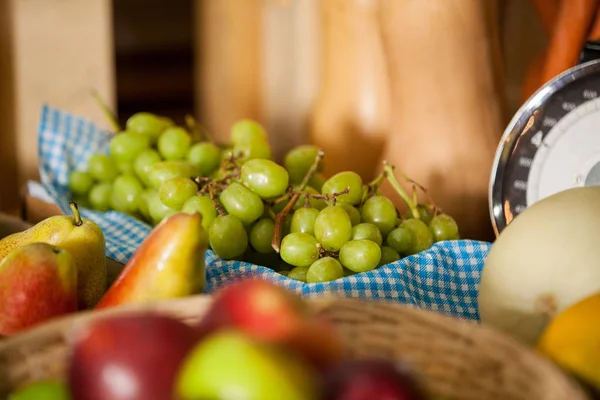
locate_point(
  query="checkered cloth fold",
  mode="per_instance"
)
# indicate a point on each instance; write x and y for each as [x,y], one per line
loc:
[444,278]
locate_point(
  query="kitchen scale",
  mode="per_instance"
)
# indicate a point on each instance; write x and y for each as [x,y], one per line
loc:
[551,144]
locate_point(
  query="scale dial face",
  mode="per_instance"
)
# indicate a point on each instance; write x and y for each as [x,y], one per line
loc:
[552,144]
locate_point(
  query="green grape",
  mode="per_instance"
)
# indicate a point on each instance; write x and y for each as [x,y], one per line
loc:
[202,204]
[319,204]
[299,160]
[324,270]
[102,168]
[261,235]
[367,231]
[380,211]
[360,255]
[443,227]
[125,193]
[400,239]
[80,182]
[287,225]
[353,213]
[125,146]
[205,156]
[317,180]
[424,213]
[240,201]
[299,249]
[157,210]
[174,143]
[144,162]
[176,191]
[333,228]
[298,273]
[247,130]
[347,272]
[226,153]
[161,172]
[340,182]
[147,124]
[125,167]
[422,236]
[303,220]
[264,177]
[82,201]
[144,203]
[252,150]
[99,196]
[388,255]
[228,237]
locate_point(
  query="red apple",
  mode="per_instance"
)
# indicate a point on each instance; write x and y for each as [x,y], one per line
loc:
[129,357]
[269,312]
[260,308]
[370,379]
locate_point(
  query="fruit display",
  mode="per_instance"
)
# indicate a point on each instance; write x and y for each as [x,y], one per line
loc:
[257,341]
[286,216]
[81,238]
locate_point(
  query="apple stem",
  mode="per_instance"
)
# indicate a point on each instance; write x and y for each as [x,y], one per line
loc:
[76,214]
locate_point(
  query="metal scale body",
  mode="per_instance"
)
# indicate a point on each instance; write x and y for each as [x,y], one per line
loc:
[551,144]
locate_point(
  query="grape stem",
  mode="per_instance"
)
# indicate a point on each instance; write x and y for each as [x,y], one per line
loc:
[373,187]
[280,218]
[112,118]
[325,253]
[422,188]
[389,172]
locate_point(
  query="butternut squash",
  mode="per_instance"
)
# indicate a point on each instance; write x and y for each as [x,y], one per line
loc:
[446,106]
[351,117]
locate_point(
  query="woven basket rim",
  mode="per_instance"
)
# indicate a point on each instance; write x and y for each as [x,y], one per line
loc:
[447,324]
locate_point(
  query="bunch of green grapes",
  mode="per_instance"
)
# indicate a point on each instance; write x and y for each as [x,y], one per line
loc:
[291,218]
[151,167]
[286,216]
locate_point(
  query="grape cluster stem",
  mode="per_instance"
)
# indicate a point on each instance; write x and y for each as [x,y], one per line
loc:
[280,217]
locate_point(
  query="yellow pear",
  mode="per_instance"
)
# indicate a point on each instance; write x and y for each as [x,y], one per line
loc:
[82,238]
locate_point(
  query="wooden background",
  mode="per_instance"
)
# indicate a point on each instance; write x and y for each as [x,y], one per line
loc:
[180,57]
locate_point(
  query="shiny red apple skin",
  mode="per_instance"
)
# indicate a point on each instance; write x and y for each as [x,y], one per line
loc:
[269,312]
[260,308]
[128,357]
[370,379]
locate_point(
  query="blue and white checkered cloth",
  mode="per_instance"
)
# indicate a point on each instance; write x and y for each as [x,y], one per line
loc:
[444,278]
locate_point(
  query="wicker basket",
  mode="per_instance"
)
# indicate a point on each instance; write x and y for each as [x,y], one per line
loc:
[458,359]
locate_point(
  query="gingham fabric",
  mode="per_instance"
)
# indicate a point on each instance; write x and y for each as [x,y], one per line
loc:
[444,278]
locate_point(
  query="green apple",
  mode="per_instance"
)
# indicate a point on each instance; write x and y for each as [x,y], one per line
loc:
[42,390]
[230,365]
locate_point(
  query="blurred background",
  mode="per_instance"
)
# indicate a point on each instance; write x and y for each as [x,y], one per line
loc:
[427,85]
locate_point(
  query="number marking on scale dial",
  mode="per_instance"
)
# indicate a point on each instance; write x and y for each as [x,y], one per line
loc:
[551,144]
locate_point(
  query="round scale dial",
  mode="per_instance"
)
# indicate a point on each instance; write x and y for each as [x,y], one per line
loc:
[552,144]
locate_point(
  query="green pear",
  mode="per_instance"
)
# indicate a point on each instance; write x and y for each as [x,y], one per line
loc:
[229,364]
[82,238]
